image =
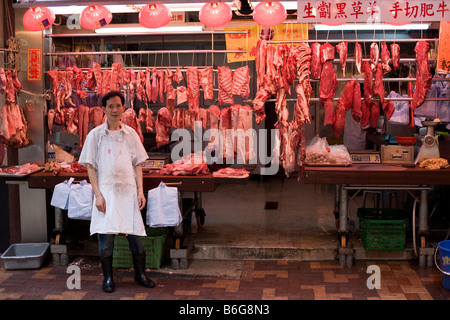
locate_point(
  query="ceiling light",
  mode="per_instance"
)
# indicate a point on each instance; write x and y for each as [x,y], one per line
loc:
[95,17]
[154,16]
[371,27]
[126,30]
[215,14]
[38,18]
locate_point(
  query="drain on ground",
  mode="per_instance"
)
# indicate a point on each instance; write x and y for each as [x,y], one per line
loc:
[271,205]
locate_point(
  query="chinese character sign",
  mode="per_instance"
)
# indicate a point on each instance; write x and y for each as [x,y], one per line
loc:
[34,64]
[251,33]
[443,60]
[372,11]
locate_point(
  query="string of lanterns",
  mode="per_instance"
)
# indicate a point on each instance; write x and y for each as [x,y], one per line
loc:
[214,14]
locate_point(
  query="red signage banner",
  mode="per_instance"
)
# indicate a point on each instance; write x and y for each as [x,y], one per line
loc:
[34,64]
[372,11]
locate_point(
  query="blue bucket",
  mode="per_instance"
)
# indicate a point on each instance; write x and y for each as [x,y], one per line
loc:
[444,248]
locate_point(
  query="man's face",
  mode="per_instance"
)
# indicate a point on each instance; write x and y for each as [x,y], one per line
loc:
[114,109]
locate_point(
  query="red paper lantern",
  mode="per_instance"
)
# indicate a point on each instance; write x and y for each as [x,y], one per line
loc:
[269,14]
[154,16]
[215,14]
[95,17]
[38,18]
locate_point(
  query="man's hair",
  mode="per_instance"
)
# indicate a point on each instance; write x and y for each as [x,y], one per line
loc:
[112,94]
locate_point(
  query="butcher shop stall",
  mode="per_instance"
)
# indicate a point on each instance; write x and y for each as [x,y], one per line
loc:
[265,117]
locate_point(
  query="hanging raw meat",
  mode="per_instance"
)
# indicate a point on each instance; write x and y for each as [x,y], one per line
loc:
[155,86]
[358,56]
[385,57]
[225,85]
[193,90]
[316,64]
[50,119]
[206,81]
[171,93]
[260,61]
[98,76]
[161,84]
[365,114]
[326,52]
[423,75]
[395,51]
[241,82]
[368,80]
[178,76]
[348,95]
[181,95]
[328,86]
[342,48]
[356,106]
[129,118]
[374,55]
[163,124]
[339,123]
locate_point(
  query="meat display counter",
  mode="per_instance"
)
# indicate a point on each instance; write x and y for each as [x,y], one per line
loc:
[378,177]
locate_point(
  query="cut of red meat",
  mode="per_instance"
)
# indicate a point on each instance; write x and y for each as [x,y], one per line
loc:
[225,85]
[339,123]
[365,114]
[206,80]
[423,75]
[342,48]
[326,53]
[385,57]
[356,107]
[193,90]
[316,64]
[368,80]
[241,82]
[348,95]
[358,56]
[395,51]
[374,55]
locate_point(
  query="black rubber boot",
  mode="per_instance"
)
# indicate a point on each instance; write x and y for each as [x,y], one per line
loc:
[108,281]
[139,271]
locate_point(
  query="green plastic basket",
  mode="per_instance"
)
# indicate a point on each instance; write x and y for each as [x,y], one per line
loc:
[382,229]
[154,246]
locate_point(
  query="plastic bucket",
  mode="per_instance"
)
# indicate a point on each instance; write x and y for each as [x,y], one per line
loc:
[444,249]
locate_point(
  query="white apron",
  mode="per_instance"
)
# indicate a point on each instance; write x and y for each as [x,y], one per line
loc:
[117,183]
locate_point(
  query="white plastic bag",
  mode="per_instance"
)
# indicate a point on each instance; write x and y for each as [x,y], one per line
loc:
[81,198]
[163,208]
[60,197]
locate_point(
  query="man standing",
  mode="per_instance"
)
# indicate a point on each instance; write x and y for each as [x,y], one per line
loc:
[113,154]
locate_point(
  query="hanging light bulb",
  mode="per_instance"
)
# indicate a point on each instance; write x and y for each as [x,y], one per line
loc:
[269,14]
[215,14]
[154,16]
[38,18]
[95,17]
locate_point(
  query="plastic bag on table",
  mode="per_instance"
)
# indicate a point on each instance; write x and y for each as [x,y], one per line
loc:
[163,209]
[60,197]
[81,198]
[317,151]
[339,155]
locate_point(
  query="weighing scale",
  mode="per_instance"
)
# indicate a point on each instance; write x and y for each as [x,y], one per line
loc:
[155,161]
[430,144]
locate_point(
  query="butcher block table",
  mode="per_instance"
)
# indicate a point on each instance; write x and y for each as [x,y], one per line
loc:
[379,177]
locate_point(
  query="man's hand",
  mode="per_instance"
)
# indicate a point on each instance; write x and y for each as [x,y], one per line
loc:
[141,200]
[100,203]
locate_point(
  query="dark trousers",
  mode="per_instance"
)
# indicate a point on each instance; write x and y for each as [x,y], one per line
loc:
[106,245]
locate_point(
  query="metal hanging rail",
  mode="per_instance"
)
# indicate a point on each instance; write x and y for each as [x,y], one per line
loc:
[113,53]
[352,40]
[72,35]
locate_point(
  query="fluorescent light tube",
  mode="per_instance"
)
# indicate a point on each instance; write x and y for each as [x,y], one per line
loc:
[126,30]
[371,26]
